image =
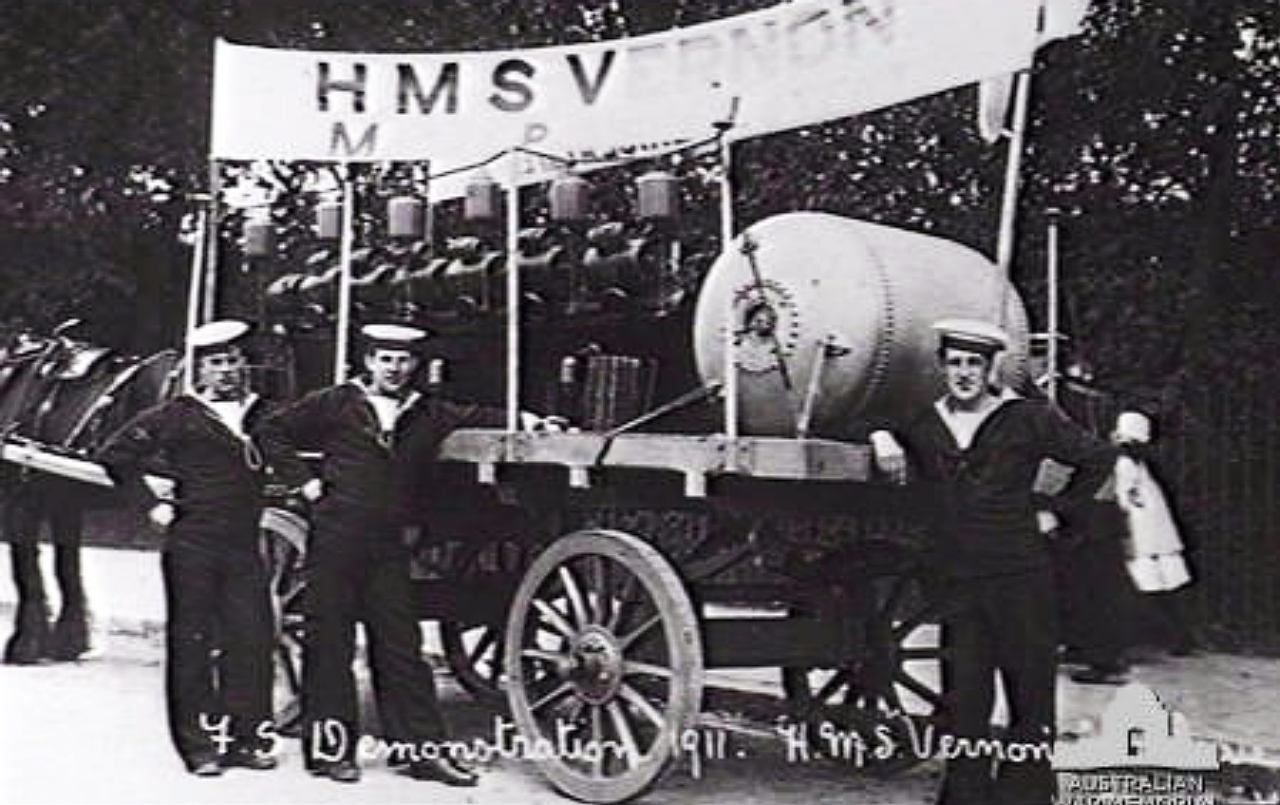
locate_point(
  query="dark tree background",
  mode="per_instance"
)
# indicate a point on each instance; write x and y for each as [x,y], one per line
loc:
[1157,133]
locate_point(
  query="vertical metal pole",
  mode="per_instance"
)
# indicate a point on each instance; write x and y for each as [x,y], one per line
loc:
[513,294]
[194,291]
[1052,285]
[209,292]
[730,373]
[343,336]
[726,192]
[1013,168]
[730,322]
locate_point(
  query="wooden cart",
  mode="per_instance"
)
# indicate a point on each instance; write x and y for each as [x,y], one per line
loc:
[611,626]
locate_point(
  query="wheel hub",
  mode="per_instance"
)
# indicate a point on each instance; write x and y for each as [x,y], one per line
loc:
[596,669]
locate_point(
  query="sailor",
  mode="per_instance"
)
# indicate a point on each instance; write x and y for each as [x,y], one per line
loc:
[378,436]
[975,453]
[215,580]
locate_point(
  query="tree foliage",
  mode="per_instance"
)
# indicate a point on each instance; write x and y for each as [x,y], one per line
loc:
[1155,134]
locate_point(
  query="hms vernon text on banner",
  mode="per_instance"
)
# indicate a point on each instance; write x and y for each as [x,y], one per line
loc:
[789,65]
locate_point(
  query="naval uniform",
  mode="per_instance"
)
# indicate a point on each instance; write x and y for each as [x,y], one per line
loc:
[377,456]
[215,580]
[978,477]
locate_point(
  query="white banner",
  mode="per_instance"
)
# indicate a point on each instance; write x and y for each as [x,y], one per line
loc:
[789,65]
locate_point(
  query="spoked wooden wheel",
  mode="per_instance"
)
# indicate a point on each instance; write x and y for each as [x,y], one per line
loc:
[474,653]
[872,705]
[604,664]
[284,538]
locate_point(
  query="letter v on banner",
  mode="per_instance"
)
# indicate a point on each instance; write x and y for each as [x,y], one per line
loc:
[994,95]
[1059,19]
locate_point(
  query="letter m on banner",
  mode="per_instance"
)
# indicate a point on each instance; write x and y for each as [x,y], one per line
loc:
[343,146]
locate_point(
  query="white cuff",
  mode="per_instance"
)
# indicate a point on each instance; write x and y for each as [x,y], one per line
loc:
[885,446]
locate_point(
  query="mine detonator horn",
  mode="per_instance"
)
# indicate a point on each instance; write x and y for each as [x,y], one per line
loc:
[282,292]
[546,266]
[419,283]
[466,281]
[286,291]
[617,266]
[67,326]
[467,248]
[375,286]
[533,240]
[446,281]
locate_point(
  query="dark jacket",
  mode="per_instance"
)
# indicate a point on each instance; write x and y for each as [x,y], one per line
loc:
[366,475]
[219,476]
[980,499]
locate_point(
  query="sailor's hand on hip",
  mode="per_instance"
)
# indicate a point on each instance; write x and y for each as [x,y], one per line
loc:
[313,490]
[551,424]
[542,424]
[162,514]
[889,457]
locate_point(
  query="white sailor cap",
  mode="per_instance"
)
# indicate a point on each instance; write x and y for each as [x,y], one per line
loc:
[393,336]
[973,335]
[1132,427]
[216,335]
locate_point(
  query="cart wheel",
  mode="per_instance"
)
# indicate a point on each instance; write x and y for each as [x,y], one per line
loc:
[284,539]
[474,654]
[604,664]
[887,694]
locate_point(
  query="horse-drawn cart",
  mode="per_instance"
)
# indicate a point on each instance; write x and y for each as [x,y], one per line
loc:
[591,579]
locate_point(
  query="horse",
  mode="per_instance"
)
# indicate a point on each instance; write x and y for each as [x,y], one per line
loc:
[65,396]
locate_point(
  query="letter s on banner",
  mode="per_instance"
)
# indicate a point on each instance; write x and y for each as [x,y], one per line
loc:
[505,82]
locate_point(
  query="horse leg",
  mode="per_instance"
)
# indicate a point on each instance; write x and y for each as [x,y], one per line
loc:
[70,637]
[31,620]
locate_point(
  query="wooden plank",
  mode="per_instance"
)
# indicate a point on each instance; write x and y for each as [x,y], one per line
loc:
[75,469]
[34,456]
[711,454]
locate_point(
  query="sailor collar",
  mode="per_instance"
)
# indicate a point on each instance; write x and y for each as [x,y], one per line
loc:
[232,416]
[964,425]
[386,410]
[232,421]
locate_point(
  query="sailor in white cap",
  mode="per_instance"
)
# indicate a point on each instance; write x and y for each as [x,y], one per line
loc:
[221,369]
[975,454]
[378,435]
[222,334]
[216,584]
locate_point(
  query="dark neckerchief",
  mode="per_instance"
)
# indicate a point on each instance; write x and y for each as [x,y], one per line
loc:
[252,455]
[386,438]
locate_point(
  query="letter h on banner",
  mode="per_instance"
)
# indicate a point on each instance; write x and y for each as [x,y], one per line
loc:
[325,84]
